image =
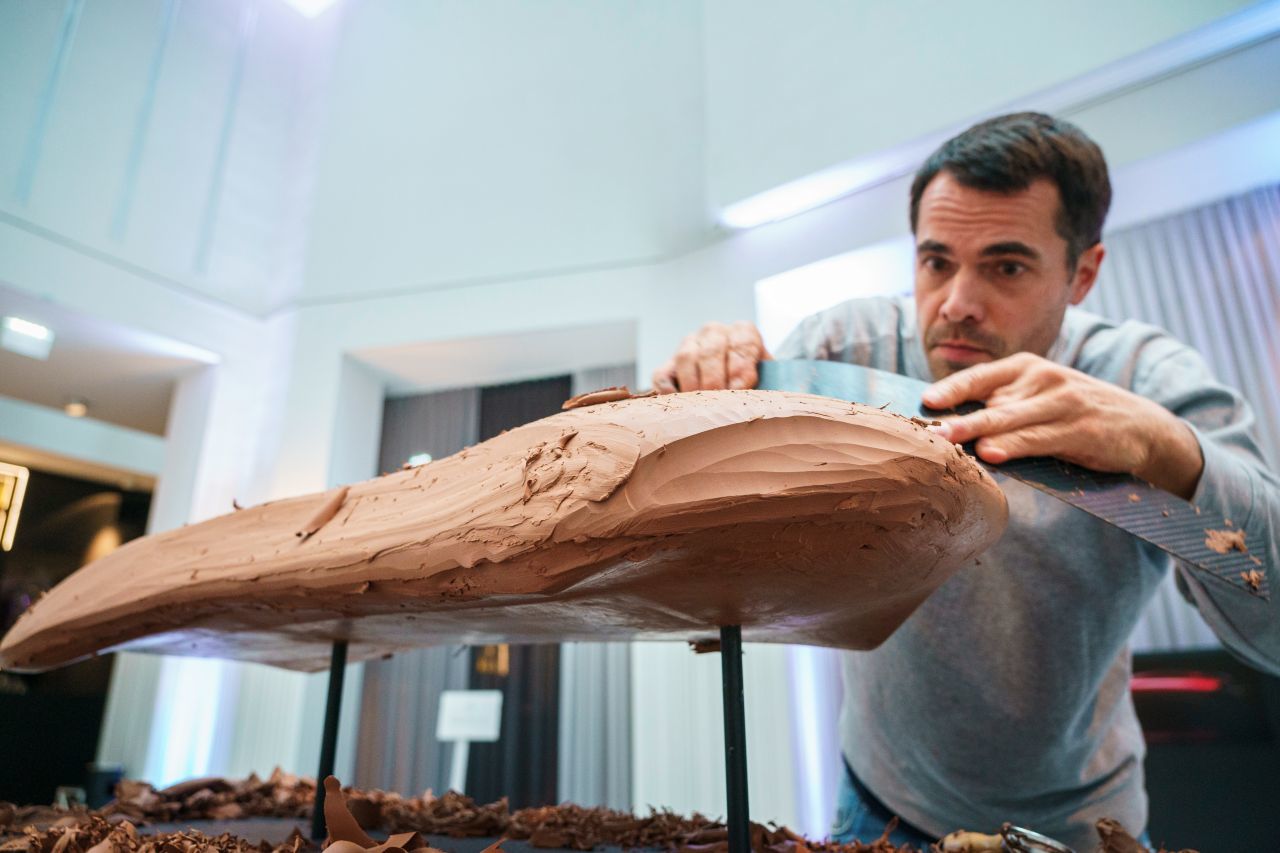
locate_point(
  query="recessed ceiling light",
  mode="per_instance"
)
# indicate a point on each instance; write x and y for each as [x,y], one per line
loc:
[76,407]
[26,338]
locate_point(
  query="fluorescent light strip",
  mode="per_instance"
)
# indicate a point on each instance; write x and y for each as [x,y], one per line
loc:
[812,191]
[185,719]
[813,738]
[19,476]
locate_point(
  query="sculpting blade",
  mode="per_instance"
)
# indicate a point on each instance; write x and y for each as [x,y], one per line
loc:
[1121,500]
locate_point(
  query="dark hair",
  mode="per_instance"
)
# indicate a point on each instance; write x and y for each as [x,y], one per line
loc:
[1006,154]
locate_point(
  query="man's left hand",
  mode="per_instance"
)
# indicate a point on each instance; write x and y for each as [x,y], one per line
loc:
[1035,407]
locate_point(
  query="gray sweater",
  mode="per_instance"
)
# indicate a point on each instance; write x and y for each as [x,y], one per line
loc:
[1006,695]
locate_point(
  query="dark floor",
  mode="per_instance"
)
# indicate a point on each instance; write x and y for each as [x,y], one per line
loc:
[1213,755]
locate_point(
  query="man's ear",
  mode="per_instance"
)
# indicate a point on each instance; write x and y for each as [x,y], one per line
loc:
[1086,272]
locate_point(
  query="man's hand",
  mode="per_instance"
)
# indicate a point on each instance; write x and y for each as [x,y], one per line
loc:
[1038,408]
[714,358]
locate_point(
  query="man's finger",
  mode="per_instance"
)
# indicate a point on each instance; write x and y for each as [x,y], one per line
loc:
[745,349]
[974,383]
[746,331]
[664,378]
[742,369]
[995,420]
[713,350]
[1036,440]
[687,365]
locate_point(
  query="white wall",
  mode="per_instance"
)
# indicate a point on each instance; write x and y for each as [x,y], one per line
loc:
[97,443]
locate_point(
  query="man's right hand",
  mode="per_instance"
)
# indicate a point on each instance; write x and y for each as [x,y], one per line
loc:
[714,358]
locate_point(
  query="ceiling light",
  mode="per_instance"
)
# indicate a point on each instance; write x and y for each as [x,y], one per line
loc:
[418,459]
[26,338]
[76,407]
[311,8]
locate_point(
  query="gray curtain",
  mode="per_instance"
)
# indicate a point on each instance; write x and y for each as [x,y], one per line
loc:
[397,748]
[595,689]
[1211,276]
[521,764]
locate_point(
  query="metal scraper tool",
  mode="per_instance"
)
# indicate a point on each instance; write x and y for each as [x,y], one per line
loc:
[1135,506]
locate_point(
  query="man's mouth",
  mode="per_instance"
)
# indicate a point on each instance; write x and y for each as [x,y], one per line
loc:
[958,350]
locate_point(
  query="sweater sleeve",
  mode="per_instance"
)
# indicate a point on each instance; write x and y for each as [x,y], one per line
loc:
[812,339]
[1235,483]
[870,331]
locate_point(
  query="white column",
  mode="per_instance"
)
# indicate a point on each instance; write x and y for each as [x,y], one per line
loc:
[329,427]
[227,428]
[134,708]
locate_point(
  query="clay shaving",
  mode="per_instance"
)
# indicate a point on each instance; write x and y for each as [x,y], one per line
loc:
[324,514]
[1225,541]
[612,394]
[1115,839]
[352,814]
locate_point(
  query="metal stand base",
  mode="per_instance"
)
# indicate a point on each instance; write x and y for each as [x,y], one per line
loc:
[329,739]
[735,740]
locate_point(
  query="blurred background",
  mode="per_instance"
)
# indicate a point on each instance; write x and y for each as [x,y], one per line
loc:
[254,248]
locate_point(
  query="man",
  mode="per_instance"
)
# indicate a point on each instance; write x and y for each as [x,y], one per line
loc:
[1005,696]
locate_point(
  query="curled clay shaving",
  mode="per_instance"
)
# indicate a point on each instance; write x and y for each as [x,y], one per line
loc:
[347,836]
[1115,839]
[612,394]
[324,514]
[337,817]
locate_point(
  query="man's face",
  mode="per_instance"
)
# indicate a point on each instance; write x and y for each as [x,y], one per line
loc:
[991,273]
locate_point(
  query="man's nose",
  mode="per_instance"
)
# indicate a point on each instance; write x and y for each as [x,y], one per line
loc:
[964,301]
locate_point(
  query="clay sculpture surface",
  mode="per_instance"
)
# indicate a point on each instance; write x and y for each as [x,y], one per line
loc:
[803,519]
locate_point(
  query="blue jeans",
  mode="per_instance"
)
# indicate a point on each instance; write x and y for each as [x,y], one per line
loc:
[860,816]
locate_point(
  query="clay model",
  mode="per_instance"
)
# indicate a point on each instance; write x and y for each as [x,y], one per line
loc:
[803,519]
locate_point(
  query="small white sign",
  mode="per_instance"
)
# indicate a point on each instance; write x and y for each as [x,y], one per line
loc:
[469,715]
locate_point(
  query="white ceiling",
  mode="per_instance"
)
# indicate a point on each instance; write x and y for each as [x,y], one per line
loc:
[126,375]
[436,365]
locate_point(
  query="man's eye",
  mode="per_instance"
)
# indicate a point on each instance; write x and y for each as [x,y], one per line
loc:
[1011,269]
[935,264]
